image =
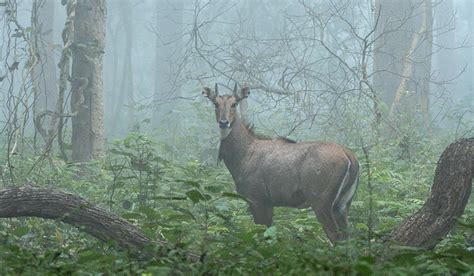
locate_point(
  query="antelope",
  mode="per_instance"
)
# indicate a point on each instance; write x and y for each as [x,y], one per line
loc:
[283,173]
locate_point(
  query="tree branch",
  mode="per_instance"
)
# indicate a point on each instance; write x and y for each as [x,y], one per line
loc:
[31,201]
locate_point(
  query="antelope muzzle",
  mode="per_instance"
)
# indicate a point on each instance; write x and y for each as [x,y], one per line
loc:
[223,124]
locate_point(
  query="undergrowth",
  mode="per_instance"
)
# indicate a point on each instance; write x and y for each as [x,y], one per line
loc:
[194,206]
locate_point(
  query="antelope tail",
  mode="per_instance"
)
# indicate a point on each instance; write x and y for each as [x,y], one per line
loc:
[347,189]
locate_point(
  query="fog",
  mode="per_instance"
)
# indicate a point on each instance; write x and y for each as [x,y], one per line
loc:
[273,137]
[311,67]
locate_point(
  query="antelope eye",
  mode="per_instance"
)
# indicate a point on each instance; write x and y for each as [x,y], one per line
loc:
[234,105]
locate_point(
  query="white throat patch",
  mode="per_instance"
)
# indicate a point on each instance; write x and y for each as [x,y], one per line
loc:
[224,132]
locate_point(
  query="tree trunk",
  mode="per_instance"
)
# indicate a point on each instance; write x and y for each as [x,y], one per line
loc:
[113,43]
[449,195]
[44,71]
[420,47]
[86,80]
[446,64]
[402,60]
[31,201]
[168,58]
[126,85]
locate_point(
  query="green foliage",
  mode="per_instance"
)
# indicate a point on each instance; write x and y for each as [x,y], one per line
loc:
[195,207]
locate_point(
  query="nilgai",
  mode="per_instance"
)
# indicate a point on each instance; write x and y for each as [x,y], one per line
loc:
[281,172]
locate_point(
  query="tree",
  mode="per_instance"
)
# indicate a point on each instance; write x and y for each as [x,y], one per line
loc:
[317,58]
[444,24]
[44,71]
[86,79]
[402,59]
[449,196]
[169,47]
[126,83]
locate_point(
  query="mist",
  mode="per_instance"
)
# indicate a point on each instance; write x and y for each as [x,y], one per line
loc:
[123,103]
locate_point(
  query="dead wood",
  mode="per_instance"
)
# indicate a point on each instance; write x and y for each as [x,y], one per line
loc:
[31,201]
[449,196]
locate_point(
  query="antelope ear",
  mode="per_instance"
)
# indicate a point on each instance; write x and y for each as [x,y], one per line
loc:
[244,92]
[208,93]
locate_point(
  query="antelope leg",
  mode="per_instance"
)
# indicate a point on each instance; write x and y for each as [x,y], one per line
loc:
[326,218]
[262,214]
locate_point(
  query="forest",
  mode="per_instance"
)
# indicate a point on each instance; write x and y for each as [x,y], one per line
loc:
[254,137]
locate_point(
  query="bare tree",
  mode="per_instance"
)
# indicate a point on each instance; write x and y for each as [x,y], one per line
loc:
[18,57]
[342,66]
[316,65]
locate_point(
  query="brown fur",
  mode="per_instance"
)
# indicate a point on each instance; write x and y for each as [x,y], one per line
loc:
[270,173]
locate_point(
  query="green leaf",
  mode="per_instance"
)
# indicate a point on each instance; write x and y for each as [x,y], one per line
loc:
[214,188]
[159,270]
[171,197]
[89,256]
[191,183]
[195,196]
[186,212]
[465,224]
[363,268]
[405,259]
[362,226]
[364,265]
[149,212]
[21,231]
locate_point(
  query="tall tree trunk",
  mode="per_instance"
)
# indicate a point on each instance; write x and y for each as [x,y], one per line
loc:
[44,72]
[127,12]
[86,80]
[402,59]
[168,55]
[445,63]
[126,85]
[469,6]
[248,26]
[111,67]
[419,50]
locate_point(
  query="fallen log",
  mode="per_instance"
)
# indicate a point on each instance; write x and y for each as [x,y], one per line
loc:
[33,201]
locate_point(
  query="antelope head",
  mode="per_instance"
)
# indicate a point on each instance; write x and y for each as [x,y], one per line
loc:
[226,107]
